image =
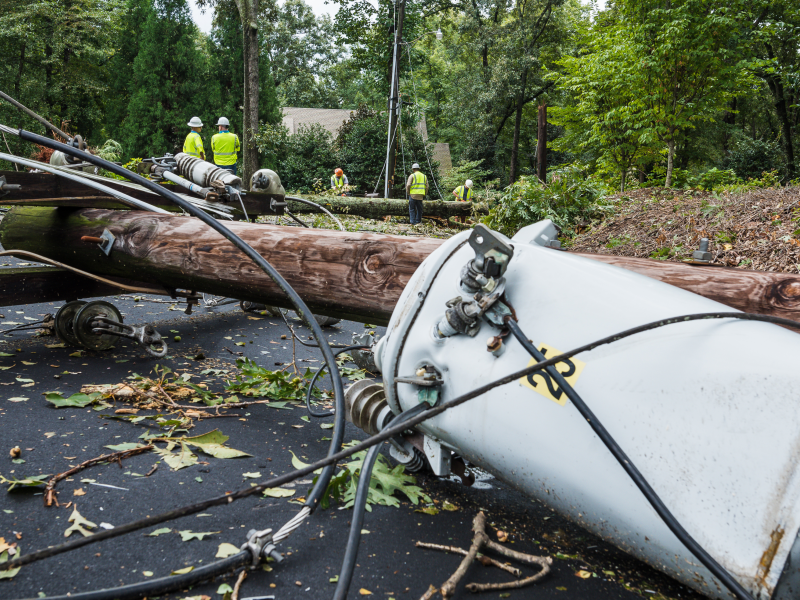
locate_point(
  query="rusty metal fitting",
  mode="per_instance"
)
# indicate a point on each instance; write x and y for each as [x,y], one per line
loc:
[91,239]
[495,345]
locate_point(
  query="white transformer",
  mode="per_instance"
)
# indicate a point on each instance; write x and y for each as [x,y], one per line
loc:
[709,411]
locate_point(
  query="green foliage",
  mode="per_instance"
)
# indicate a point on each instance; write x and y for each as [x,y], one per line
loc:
[299,159]
[384,484]
[465,169]
[568,198]
[260,382]
[714,179]
[750,158]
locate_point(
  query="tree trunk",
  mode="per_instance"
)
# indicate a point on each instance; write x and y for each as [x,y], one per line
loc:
[248,12]
[512,175]
[670,160]
[781,108]
[380,207]
[541,144]
[20,67]
[393,105]
[358,276]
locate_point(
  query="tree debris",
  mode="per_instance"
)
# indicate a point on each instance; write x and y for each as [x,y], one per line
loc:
[481,540]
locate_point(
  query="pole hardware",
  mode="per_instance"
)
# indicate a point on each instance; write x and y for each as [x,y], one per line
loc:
[6,188]
[702,255]
[146,335]
[192,298]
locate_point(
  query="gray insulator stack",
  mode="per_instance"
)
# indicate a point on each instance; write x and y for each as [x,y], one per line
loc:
[203,173]
[366,406]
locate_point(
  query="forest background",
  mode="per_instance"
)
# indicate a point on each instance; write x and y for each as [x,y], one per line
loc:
[641,93]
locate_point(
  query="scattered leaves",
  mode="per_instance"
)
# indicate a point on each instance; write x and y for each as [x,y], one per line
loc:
[278,492]
[225,550]
[158,532]
[187,535]
[79,524]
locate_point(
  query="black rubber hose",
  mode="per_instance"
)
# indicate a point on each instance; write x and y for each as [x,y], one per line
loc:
[626,463]
[302,310]
[360,505]
[164,585]
[329,413]
[384,435]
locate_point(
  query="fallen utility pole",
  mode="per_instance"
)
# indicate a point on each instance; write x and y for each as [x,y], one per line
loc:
[357,276]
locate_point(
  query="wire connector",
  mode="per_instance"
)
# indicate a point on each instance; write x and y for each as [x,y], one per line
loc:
[259,543]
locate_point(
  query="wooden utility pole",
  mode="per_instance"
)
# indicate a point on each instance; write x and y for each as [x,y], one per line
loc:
[248,13]
[394,101]
[541,145]
[357,276]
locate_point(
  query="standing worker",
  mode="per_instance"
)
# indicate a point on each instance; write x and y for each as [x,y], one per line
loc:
[225,145]
[463,193]
[193,146]
[417,189]
[339,183]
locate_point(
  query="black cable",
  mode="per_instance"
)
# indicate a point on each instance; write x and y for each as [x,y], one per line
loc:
[384,435]
[329,413]
[164,585]
[360,504]
[302,310]
[626,463]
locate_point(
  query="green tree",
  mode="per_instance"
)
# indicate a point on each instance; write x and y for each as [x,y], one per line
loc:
[687,63]
[170,82]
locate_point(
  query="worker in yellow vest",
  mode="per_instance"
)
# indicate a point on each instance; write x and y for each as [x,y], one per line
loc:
[417,189]
[339,182]
[225,146]
[463,193]
[193,146]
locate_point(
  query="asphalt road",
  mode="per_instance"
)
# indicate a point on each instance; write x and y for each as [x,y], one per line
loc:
[389,564]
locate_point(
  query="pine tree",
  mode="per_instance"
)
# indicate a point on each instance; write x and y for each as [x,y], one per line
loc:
[169,81]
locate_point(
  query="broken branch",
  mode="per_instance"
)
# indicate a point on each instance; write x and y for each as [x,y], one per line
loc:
[49,490]
[483,559]
[478,524]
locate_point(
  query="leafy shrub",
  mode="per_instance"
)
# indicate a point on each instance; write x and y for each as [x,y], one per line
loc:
[768,179]
[466,169]
[568,198]
[750,158]
[714,179]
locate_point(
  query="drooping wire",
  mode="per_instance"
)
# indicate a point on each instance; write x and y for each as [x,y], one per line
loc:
[384,435]
[360,504]
[314,380]
[627,464]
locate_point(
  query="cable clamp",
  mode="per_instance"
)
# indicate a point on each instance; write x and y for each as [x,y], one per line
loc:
[259,543]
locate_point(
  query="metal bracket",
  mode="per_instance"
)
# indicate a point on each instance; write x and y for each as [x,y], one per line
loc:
[145,335]
[7,188]
[107,242]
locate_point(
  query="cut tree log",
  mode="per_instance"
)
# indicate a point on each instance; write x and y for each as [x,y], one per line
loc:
[377,208]
[357,276]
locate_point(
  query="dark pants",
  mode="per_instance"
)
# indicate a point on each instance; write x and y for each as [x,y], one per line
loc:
[414,211]
[231,168]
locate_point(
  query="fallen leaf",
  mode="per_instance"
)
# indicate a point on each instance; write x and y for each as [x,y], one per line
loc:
[3,559]
[224,589]
[502,536]
[25,362]
[77,400]
[79,524]
[213,443]
[254,475]
[428,510]
[158,532]
[49,434]
[225,550]
[365,592]
[62,345]
[180,460]
[583,574]
[123,447]
[78,492]
[147,573]
[18,399]
[278,492]
[447,505]
[187,535]
[182,571]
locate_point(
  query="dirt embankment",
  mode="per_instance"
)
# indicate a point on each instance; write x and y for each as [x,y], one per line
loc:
[753,230]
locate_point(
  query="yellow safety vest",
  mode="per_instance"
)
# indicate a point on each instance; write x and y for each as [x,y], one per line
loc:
[337,182]
[462,196]
[193,146]
[418,185]
[225,145]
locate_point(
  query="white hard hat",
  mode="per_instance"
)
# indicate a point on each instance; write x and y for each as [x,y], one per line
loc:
[195,122]
[415,166]
[223,121]
[468,183]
